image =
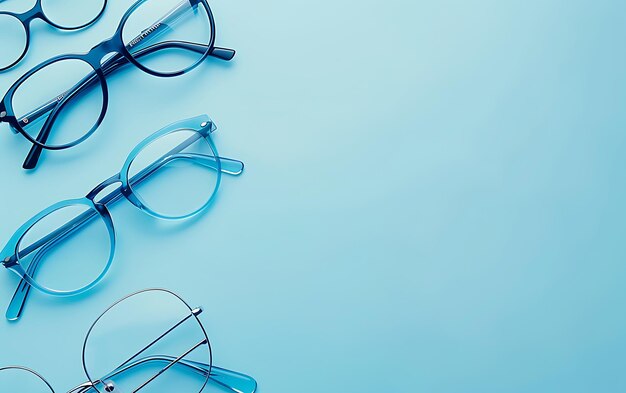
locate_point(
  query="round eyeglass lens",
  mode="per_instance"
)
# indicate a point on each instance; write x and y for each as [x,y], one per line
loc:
[175,175]
[18,379]
[168,36]
[67,250]
[150,342]
[61,104]
[73,14]
[13,36]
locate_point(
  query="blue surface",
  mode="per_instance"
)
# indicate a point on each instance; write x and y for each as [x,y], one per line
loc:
[433,197]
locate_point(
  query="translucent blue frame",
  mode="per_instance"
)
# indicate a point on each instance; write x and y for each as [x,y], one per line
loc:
[103,65]
[229,381]
[11,255]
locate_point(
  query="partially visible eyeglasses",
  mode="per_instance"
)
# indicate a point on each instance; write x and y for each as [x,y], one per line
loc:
[61,102]
[150,341]
[63,15]
[68,248]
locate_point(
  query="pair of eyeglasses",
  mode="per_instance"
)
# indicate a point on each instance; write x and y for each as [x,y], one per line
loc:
[150,341]
[61,102]
[68,248]
[63,15]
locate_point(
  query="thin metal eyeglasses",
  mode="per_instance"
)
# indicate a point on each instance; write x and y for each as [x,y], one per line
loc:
[172,352]
[63,15]
[61,102]
[68,248]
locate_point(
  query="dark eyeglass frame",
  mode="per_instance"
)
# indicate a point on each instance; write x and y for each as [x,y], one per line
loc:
[94,58]
[37,12]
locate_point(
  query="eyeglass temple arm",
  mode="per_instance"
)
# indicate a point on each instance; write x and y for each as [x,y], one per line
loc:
[227,165]
[117,61]
[83,388]
[16,306]
[230,380]
[170,365]
[170,361]
[108,67]
[92,385]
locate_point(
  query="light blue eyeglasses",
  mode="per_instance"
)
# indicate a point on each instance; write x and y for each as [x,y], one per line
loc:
[68,248]
[151,341]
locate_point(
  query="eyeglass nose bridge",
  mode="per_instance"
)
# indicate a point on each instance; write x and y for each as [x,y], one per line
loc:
[36,12]
[99,52]
[93,194]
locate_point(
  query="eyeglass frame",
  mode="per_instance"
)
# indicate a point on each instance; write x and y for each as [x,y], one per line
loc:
[9,256]
[93,58]
[205,368]
[37,12]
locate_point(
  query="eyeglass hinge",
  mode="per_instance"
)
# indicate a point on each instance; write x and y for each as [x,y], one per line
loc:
[9,262]
[212,127]
[197,311]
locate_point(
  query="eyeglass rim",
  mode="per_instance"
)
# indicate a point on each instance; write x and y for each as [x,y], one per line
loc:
[193,124]
[118,36]
[15,124]
[26,43]
[140,292]
[59,26]
[31,371]
[16,240]
[38,12]
[201,124]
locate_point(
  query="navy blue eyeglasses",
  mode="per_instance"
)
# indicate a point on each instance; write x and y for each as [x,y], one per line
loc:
[68,248]
[63,15]
[62,102]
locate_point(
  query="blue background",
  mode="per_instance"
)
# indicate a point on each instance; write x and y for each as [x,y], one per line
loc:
[433,197]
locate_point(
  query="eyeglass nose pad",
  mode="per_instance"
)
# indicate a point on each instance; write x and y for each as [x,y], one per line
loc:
[109,386]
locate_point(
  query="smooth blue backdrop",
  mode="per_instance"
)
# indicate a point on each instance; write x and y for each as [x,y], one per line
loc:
[433,200]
